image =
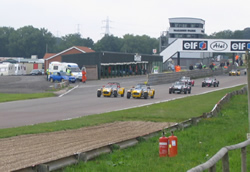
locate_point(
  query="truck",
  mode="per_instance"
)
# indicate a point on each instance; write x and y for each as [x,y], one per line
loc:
[63,66]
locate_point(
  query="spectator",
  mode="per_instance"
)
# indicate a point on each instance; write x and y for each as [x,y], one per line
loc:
[200,66]
[191,67]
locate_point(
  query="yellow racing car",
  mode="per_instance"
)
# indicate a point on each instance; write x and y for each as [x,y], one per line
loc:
[141,91]
[234,72]
[111,89]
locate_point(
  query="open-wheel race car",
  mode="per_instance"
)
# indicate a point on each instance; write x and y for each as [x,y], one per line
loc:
[111,89]
[234,72]
[187,80]
[179,87]
[141,91]
[210,81]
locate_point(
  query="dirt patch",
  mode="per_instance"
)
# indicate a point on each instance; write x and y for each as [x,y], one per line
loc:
[29,150]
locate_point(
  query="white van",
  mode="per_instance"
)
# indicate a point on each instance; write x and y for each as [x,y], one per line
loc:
[7,68]
[63,66]
[20,69]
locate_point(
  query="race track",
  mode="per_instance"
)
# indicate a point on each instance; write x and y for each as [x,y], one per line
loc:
[82,100]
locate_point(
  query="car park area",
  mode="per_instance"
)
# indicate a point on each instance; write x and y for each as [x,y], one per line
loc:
[24,84]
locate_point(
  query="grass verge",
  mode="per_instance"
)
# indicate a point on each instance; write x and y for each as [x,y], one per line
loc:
[6,97]
[172,111]
[196,145]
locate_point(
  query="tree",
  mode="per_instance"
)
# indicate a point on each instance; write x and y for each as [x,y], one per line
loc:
[27,41]
[5,33]
[109,43]
[139,44]
[74,40]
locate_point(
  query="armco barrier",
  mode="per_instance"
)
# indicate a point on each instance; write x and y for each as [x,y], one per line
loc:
[164,78]
[86,156]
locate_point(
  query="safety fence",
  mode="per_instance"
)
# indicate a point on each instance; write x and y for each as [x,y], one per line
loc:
[89,155]
[164,78]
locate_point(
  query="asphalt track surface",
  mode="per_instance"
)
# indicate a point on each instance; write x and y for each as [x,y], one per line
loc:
[82,100]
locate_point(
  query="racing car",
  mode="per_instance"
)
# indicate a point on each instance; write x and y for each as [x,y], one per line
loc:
[187,80]
[141,91]
[210,81]
[111,89]
[234,72]
[179,87]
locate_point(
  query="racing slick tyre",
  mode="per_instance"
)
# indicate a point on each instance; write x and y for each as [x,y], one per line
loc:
[128,95]
[122,95]
[145,95]
[115,93]
[170,92]
[99,93]
[185,91]
[215,84]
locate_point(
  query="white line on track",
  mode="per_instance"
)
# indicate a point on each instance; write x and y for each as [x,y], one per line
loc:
[68,91]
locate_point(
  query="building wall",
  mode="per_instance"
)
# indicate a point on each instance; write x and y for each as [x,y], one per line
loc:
[116,61]
[59,57]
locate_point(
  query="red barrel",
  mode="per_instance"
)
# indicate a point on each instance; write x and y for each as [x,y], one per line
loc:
[163,146]
[172,145]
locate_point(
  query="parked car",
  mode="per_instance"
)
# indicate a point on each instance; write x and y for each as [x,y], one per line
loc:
[111,89]
[42,70]
[234,72]
[187,80]
[141,91]
[35,72]
[180,87]
[61,76]
[210,81]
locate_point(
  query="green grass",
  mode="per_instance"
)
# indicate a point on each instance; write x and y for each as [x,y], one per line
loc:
[6,97]
[172,111]
[196,145]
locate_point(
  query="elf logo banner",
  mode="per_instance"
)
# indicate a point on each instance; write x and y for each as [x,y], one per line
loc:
[194,45]
[240,46]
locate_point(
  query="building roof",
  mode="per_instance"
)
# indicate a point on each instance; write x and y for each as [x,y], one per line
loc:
[85,49]
[79,48]
[47,55]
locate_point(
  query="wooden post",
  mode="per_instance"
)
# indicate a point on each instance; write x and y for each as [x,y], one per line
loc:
[244,159]
[225,163]
[212,169]
[248,87]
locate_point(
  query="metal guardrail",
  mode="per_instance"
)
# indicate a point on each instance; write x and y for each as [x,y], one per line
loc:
[86,156]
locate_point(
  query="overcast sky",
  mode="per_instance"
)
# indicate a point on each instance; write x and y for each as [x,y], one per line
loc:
[137,17]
